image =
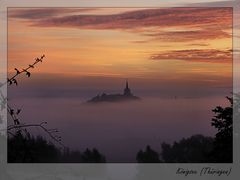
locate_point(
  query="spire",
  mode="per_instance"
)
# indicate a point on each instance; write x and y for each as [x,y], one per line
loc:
[126,84]
[127,91]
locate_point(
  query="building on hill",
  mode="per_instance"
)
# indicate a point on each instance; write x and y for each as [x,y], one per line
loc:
[126,96]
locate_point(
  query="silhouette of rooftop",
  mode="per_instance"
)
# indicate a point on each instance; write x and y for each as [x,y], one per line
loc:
[126,96]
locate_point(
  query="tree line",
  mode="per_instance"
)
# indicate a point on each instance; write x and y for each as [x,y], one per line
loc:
[198,148]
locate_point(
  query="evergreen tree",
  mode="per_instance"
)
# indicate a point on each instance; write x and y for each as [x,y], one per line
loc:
[148,156]
[223,144]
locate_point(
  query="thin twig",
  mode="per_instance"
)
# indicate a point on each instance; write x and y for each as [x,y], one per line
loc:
[11,127]
[25,70]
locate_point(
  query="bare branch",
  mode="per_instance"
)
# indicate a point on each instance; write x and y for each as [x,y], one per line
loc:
[24,70]
[55,138]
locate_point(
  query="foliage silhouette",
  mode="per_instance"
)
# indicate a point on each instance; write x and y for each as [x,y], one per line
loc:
[23,149]
[148,156]
[191,150]
[93,156]
[223,142]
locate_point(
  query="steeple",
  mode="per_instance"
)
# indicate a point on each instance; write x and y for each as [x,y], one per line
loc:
[127,91]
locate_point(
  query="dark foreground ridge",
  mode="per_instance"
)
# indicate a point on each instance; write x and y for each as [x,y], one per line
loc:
[126,96]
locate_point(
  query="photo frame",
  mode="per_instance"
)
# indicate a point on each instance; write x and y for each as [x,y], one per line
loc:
[121,170]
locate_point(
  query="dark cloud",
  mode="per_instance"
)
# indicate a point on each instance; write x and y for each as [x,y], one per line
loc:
[167,17]
[42,13]
[198,55]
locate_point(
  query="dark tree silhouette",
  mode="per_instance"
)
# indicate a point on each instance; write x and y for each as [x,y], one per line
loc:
[201,149]
[148,156]
[29,149]
[93,156]
[223,143]
[191,150]
[71,156]
[24,148]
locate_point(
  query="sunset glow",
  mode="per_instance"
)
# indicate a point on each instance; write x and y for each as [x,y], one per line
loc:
[123,42]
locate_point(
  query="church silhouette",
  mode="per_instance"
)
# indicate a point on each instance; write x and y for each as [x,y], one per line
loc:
[126,96]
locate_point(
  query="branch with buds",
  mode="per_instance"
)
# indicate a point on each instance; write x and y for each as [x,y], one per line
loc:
[17,125]
[13,79]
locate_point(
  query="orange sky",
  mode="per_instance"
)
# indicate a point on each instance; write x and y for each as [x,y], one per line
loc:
[178,43]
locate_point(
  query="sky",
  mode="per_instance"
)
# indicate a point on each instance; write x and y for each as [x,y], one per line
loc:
[122,42]
[178,60]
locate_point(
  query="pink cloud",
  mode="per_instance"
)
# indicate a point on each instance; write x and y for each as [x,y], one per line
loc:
[196,55]
[167,17]
[209,22]
[182,36]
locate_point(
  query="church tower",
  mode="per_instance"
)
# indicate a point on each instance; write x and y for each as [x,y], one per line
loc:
[127,91]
